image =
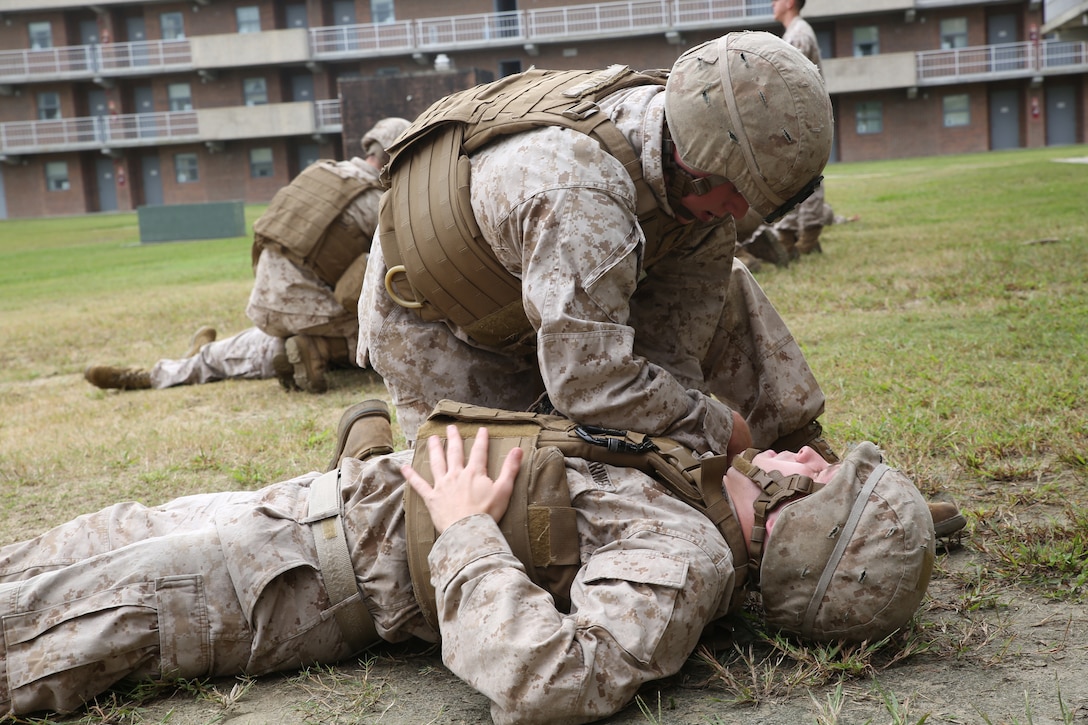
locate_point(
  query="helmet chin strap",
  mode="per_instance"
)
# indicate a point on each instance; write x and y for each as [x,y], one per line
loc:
[679,183]
[776,488]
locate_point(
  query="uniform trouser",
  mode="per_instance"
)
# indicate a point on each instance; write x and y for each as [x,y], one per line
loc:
[812,212]
[288,300]
[754,364]
[137,592]
[246,355]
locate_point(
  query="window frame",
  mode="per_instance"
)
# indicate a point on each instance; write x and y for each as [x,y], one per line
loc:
[185,163]
[48,34]
[258,167]
[858,42]
[57,181]
[952,39]
[249,24]
[176,29]
[866,115]
[51,110]
[252,97]
[951,114]
[383,12]
[175,101]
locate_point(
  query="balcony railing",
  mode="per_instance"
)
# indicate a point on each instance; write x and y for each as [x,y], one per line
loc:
[1004,60]
[327,117]
[88,61]
[573,22]
[94,132]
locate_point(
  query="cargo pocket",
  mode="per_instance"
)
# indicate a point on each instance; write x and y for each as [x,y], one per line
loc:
[632,594]
[60,656]
[184,633]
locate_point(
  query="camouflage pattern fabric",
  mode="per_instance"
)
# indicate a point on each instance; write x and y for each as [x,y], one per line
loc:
[290,300]
[672,347]
[227,583]
[245,355]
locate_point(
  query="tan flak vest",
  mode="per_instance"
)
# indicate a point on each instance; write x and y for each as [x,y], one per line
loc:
[540,525]
[303,222]
[438,263]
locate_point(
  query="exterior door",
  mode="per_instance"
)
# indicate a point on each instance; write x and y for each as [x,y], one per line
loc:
[1000,30]
[302,87]
[88,35]
[3,198]
[98,108]
[307,154]
[1061,115]
[107,189]
[294,16]
[151,179]
[1004,120]
[144,100]
[136,32]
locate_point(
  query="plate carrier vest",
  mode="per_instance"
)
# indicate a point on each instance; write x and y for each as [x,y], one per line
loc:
[302,222]
[429,235]
[540,525]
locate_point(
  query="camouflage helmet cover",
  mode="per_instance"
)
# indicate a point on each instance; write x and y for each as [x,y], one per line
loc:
[852,560]
[383,133]
[761,119]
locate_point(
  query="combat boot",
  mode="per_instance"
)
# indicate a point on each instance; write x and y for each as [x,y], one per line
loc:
[809,243]
[285,371]
[112,378]
[947,518]
[199,339]
[311,356]
[812,435]
[788,239]
[364,431]
[766,246]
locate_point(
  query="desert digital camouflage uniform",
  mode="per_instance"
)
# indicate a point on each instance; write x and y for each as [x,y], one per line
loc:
[229,583]
[670,346]
[812,211]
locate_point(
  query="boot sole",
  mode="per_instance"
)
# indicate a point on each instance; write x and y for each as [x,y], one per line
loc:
[949,526]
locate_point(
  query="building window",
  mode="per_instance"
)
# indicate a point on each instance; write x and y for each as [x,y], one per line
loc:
[866,41]
[56,175]
[381,11]
[870,117]
[260,162]
[173,26]
[509,67]
[957,110]
[185,168]
[41,35]
[48,106]
[181,97]
[953,33]
[249,19]
[255,91]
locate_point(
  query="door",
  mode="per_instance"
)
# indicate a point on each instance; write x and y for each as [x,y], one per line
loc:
[107,189]
[1001,30]
[151,179]
[302,87]
[1061,115]
[507,21]
[3,198]
[307,153]
[294,16]
[1004,120]
[88,35]
[144,100]
[98,109]
[136,33]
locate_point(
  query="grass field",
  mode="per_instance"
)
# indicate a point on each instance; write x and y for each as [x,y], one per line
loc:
[949,325]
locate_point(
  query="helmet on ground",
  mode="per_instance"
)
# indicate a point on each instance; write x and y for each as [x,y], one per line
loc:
[383,134]
[749,108]
[852,560]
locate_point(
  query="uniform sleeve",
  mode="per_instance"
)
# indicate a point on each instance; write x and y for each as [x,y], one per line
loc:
[639,606]
[578,248]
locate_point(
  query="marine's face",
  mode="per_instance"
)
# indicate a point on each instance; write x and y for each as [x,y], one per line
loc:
[721,201]
[806,462]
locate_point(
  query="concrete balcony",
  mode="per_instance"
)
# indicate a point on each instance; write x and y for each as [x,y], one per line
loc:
[870,72]
[1064,15]
[108,133]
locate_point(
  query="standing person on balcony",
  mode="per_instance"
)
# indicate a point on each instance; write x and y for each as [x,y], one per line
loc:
[571,233]
[799,231]
[310,251]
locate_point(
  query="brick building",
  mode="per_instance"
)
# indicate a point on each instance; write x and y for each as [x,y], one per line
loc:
[115,104]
